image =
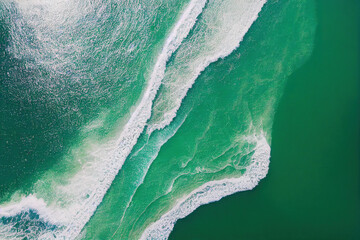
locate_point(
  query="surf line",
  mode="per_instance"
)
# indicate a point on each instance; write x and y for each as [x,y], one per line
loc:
[74,219]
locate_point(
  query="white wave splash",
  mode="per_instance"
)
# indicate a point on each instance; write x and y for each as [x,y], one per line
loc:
[78,199]
[223,26]
[214,191]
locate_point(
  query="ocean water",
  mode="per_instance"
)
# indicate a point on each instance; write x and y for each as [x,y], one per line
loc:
[312,187]
[120,117]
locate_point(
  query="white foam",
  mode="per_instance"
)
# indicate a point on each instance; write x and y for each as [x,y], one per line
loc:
[213,191]
[225,25]
[77,199]
[51,46]
[26,203]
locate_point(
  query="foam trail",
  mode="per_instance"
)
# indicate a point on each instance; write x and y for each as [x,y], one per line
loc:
[86,189]
[223,26]
[213,191]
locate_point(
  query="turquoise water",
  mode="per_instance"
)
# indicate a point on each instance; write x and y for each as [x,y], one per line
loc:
[312,188]
[119,118]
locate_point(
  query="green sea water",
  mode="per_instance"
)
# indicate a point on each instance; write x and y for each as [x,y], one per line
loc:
[312,188]
[119,118]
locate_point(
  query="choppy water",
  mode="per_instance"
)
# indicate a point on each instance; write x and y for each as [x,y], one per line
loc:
[120,117]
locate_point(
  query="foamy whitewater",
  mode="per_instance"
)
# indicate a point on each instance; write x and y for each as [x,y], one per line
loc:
[76,196]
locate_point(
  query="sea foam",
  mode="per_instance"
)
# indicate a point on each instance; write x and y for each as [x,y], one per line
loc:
[214,191]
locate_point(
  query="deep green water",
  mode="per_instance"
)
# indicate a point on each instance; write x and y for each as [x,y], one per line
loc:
[312,190]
